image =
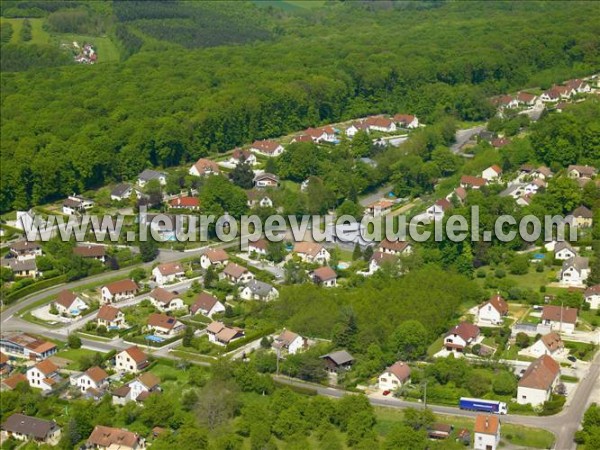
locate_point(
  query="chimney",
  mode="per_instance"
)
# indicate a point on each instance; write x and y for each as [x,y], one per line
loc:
[487,422]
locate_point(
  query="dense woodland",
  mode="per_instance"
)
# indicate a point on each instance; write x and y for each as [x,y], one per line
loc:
[73,128]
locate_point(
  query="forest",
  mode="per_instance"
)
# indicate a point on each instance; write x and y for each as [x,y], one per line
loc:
[168,105]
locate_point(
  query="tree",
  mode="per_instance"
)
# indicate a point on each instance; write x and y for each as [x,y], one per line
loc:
[410,340]
[148,250]
[210,277]
[519,265]
[350,208]
[276,251]
[137,274]
[504,383]
[345,331]
[188,335]
[356,253]
[361,144]
[217,402]
[404,437]
[153,190]
[522,340]
[242,176]
[74,341]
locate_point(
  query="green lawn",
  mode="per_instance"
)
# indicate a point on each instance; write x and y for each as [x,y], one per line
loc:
[75,356]
[39,35]
[436,346]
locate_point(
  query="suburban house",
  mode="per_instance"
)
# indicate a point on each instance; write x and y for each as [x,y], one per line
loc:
[526,98]
[259,198]
[561,319]
[500,142]
[23,250]
[555,93]
[438,430]
[24,269]
[577,171]
[207,305]
[165,300]
[592,296]
[505,101]
[324,276]
[22,345]
[109,438]
[380,123]
[118,291]
[312,252]
[267,148]
[355,127]
[121,192]
[149,175]
[240,156]
[137,390]
[534,186]
[394,376]
[563,251]
[486,432]
[338,361]
[543,172]
[214,257]
[380,258]
[492,173]
[93,378]
[204,167]
[168,273]
[259,247]
[44,375]
[493,311]
[266,180]
[438,209]
[582,217]
[537,383]
[406,120]
[578,86]
[131,360]
[323,134]
[91,252]
[220,334]
[574,271]
[258,290]
[395,247]
[471,182]
[237,274]
[31,429]
[302,138]
[289,342]
[111,317]
[10,383]
[4,364]
[379,208]
[76,204]
[185,202]
[69,303]
[549,344]
[164,325]
[461,336]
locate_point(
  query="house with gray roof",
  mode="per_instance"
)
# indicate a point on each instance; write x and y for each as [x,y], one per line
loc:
[258,290]
[338,360]
[149,175]
[27,428]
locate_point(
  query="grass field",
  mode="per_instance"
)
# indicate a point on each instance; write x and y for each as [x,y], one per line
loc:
[291,5]
[39,35]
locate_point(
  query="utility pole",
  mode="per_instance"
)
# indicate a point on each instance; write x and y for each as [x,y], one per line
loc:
[278,353]
[561,317]
[425,395]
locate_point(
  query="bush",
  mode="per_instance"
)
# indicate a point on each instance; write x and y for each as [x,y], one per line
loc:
[74,341]
[480,273]
[499,273]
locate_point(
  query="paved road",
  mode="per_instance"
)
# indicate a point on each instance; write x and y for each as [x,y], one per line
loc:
[372,198]
[463,136]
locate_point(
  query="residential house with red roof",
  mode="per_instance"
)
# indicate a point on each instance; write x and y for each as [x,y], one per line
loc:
[132,360]
[23,345]
[290,342]
[267,148]
[44,375]
[487,432]
[379,208]
[406,120]
[380,258]
[111,317]
[592,296]
[163,325]
[204,167]
[97,252]
[559,318]
[166,301]
[220,334]
[259,247]
[215,257]
[311,252]
[550,344]
[380,123]
[93,378]
[166,273]
[266,180]
[539,380]
[239,156]
[355,127]
[207,305]
[526,98]
[438,209]
[461,336]
[109,438]
[492,173]
[322,134]
[395,247]
[69,303]
[493,311]
[185,202]
[471,182]
[237,274]
[394,377]
[324,276]
[137,390]
[118,291]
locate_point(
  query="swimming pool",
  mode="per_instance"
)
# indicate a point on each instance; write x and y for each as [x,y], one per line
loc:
[153,338]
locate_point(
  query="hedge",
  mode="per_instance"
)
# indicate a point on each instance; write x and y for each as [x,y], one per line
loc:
[248,338]
[35,287]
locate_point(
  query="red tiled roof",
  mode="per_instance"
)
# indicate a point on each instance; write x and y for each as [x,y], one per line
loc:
[486,424]
[12,381]
[396,246]
[444,204]
[404,118]
[97,374]
[500,142]
[162,295]
[170,268]
[498,303]
[205,302]
[553,313]
[266,146]
[121,286]
[47,367]
[136,354]
[108,313]
[465,330]
[325,273]
[592,290]
[105,437]
[379,121]
[540,374]
[66,298]
[185,202]
[234,270]
[90,251]
[308,248]
[162,321]
[217,255]
[400,369]
[472,181]
[204,165]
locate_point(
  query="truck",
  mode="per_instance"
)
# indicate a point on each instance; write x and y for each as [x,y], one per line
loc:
[478,404]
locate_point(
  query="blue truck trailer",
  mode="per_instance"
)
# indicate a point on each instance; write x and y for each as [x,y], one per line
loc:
[478,404]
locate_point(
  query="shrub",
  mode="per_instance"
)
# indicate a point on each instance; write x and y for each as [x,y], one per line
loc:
[499,273]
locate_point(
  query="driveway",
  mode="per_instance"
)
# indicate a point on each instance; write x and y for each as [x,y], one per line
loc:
[464,136]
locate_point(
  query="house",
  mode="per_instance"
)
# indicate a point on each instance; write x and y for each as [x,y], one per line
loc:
[76,204]
[23,345]
[537,383]
[487,432]
[10,383]
[267,148]
[439,430]
[338,361]
[97,252]
[355,127]
[123,191]
[165,300]
[4,364]
[461,336]
[379,258]
[220,334]
[118,291]
[493,311]
[486,135]
[110,317]
[395,247]
[259,198]
[505,101]
[302,138]
[470,182]
[543,173]
[109,438]
[27,428]
[592,296]
[215,257]
[258,290]
[164,325]
[575,271]
[93,378]
[561,319]
[500,142]
[576,171]
[69,303]
[460,194]
[168,273]
[323,134]
[290,342]
[379,208]
[582,217]
[185,202]
[549,344]
[239,156]
[394,376]
[492,173]
[380,123]
[137,390]
[526,98]
[324,276]
[555,93]
[149,175]
[23,250]
[207,305]
[438,209]
[259,247]
[564,251]
[44,375]
[312,252]
[266,180]
[534,186]
[131,360]
[578,86]
[237,274]
[24,269]
[406,120]
[204,167]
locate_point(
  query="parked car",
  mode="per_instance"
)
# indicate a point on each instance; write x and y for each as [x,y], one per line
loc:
[572,358]
[386,392]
